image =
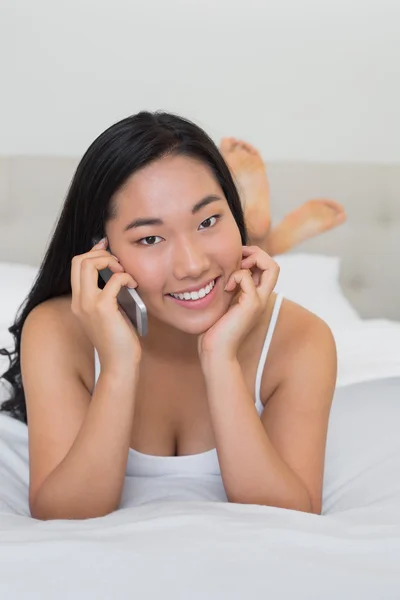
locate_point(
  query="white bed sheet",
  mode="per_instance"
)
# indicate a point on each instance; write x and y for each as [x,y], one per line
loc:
[213,550]
[194,547]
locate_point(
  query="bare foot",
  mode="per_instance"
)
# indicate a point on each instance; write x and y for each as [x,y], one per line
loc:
[310,219]
[249,173]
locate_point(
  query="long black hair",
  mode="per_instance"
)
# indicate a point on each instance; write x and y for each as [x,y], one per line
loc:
[116,154]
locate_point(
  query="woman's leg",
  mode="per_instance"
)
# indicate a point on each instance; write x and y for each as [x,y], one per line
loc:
[308,220]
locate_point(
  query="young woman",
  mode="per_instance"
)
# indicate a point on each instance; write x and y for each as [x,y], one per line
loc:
[220,384]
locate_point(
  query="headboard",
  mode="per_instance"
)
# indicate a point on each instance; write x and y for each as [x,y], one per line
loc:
[32,190]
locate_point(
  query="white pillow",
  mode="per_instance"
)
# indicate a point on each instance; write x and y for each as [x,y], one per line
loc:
[312,280]
[16,282]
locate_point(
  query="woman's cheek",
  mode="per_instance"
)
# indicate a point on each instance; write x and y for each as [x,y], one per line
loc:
[150,277]
[228,253]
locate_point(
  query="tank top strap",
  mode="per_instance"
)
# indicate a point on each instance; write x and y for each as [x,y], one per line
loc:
[263,356]
[97,366]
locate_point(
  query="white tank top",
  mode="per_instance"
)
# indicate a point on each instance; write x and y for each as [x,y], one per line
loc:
[205,463]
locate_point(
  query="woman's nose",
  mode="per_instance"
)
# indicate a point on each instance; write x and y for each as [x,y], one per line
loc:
[190,260]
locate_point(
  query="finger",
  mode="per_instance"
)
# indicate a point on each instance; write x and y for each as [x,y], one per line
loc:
[249,250]
[258,258]
[76,264]
[89,272]
[103,243]
[242,278]
[268,281]
[265,271]
[117,281]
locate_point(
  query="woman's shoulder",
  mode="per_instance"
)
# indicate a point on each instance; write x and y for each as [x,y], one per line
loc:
[299,334]
[53,322]
[297,323]
[57,312]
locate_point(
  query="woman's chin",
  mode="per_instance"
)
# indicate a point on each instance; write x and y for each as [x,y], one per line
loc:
[192,329]
[190,321]
[198,325]
[190,324]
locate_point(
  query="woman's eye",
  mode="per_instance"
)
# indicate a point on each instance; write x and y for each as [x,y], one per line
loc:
[149,240]
[210,221]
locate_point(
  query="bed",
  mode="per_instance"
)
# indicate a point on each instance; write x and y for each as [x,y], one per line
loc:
[193,546]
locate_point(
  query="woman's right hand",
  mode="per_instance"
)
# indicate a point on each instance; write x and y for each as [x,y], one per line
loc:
[104,321]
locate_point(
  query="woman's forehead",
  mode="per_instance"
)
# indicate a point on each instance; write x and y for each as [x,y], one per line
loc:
[167,182]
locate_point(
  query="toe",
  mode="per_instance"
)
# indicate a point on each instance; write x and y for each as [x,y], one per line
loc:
[246,146]
[227,144]
[243,146]
[250,148]
[339,208]
[341,218]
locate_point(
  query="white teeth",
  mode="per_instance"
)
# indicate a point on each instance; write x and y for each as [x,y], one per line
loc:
[195,295]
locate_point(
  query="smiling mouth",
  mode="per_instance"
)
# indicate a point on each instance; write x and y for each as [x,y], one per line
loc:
[196,295]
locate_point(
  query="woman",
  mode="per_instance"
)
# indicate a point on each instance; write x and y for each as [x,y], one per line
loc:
[197,390]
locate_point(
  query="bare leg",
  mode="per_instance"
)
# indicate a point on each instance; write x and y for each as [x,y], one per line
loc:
[308,220]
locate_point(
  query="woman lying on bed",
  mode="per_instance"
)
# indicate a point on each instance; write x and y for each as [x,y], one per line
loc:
[199,387]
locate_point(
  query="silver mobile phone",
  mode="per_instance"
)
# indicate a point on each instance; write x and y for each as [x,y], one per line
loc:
[130,301]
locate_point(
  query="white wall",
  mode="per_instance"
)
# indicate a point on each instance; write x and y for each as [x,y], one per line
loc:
[301,79]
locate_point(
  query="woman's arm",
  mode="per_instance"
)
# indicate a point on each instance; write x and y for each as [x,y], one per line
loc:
[88,482]
[78,441]
[251,469]
[276,460]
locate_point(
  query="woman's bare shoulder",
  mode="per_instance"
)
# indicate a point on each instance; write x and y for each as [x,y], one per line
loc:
[54,318]
[297,332]
[296,322]
[57,311]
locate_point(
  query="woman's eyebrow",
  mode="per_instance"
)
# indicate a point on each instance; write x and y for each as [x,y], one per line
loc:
[143,221]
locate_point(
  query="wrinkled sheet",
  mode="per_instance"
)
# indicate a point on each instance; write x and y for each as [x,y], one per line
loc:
[204,549]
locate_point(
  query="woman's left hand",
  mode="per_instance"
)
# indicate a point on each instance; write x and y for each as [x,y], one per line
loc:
[253,285]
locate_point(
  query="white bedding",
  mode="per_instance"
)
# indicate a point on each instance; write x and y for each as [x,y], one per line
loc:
[214,550]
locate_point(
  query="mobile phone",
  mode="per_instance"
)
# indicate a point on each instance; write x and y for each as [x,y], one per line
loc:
[130,301]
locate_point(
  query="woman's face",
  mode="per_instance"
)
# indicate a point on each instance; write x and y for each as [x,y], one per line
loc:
[174,232]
